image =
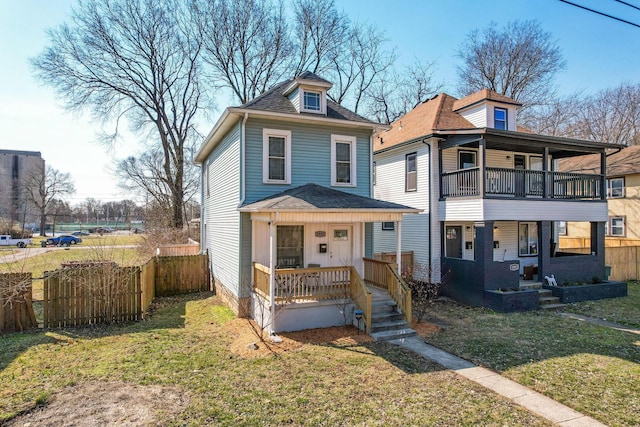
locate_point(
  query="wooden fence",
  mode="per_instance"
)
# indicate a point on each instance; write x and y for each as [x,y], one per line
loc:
[179,250]
[624,261]
[16,308]
[91,295]
[406,257]
[179,275]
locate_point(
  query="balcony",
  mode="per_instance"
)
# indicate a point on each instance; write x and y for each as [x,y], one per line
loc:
[521,184]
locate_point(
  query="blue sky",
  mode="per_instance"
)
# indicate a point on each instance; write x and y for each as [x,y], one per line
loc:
[599,52]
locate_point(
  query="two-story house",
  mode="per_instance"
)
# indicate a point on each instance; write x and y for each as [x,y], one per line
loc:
[623,196]
[287,213]
[491,195]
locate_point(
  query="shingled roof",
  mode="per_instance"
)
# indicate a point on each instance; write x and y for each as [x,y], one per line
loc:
[274,100]
[483,95]
[625,162]
[313,196]
[434,114]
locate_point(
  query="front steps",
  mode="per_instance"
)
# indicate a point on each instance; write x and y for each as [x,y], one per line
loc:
[387,322]
[546,299]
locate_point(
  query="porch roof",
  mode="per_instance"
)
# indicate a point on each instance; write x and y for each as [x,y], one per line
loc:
[316,198]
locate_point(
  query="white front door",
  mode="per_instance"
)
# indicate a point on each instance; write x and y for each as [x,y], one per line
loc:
[341,246]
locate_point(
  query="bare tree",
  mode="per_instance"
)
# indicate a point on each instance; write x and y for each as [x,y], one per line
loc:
[320,34]
[136,59]
[397,93]
[246,43]
[519,61]
[43,190]
[558,117]
[359,65]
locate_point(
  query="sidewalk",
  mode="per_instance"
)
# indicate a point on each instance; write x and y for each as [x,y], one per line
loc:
[601,322]
[533,401]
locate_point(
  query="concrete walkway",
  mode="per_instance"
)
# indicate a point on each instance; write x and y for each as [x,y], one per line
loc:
[533,401]
[600,322]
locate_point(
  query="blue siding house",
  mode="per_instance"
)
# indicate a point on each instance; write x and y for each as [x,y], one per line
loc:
[287,211]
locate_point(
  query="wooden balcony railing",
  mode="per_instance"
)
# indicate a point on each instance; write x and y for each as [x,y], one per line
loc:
[384,275]
[522,183]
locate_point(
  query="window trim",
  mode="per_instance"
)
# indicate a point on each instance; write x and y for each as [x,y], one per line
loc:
[475,158]
[561,227]
[266,133]
[506,118]
[374,173]
[610,226]
[322,98]
[343,139]
[610,188]
[387,227]
[407,172]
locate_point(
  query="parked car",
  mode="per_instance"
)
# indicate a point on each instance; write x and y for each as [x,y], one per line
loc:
[61,241]
[80,233]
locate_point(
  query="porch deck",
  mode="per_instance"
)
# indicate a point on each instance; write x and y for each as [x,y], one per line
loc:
[332,283]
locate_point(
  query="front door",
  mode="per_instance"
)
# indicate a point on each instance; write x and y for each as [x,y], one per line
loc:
[340,245]
[453,245]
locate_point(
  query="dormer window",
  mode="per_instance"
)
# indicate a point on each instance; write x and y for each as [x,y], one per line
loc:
[500,118]
[312,101]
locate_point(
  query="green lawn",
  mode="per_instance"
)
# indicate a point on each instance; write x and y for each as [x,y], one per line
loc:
[592,369]
[186,343]
[625,311]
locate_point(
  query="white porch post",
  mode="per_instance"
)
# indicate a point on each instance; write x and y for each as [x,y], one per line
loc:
[399,246]
[272,276]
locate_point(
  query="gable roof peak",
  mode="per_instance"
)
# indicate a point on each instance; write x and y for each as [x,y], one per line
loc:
[483,95]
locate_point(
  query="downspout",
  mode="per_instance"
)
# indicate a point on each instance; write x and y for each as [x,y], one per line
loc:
[203,170]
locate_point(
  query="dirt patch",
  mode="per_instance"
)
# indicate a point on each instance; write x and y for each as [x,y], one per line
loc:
[93,404]
[248,344]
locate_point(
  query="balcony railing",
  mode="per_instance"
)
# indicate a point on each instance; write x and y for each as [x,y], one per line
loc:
[522,183]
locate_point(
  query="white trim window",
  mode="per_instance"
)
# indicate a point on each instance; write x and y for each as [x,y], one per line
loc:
[411,172]
[500,118]
[276,156]
[615,188]
[562,228]
[343,160]
[617,226]
[312,101]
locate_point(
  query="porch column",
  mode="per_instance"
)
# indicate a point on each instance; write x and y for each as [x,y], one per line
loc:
[272,276]
[545,171]
[399,246]
[481,167]
[603,176]
[545,246]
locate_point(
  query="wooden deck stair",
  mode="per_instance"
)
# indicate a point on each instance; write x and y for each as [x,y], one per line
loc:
[546,299]
[387,322]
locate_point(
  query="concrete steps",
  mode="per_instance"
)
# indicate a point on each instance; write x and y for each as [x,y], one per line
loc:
[546,299]
[387,322]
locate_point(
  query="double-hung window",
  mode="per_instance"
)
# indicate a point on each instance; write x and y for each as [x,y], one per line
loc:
[500,118]
[343,160]
[617,226]
[276,156]
[411,172]
[615,188]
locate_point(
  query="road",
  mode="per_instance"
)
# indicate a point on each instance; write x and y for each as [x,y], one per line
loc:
[28,252]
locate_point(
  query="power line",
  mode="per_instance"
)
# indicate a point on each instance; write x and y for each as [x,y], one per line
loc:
[628,4]
[601,13]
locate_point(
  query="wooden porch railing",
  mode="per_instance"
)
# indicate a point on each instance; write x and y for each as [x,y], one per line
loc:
[315,284]
[384,275]
[522,183]
[361,298]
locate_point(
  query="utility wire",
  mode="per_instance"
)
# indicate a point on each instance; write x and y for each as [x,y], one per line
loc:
[628,4]
[601,13]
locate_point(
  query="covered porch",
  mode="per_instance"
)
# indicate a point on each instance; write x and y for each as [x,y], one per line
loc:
[309,250]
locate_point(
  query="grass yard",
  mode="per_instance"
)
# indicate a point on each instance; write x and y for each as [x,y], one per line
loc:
[592,369]
[625,311]
[187,344]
